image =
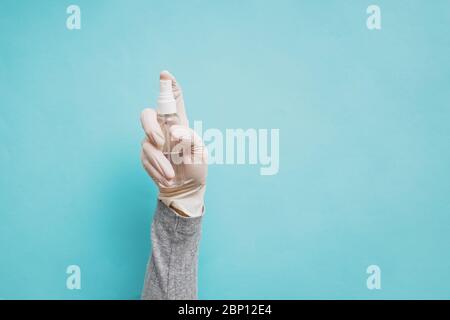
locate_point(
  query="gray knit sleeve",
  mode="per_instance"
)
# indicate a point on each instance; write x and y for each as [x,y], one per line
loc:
[172,268]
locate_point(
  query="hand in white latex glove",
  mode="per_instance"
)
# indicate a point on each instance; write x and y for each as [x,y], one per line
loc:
[185,199]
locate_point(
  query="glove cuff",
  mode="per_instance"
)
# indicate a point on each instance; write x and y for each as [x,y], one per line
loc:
[190,202]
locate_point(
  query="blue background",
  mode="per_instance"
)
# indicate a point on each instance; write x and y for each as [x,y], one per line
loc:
[364,145]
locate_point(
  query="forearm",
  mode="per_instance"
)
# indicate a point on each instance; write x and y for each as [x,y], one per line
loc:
[172,268]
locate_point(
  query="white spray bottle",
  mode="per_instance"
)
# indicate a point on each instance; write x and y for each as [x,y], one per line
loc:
[167,117]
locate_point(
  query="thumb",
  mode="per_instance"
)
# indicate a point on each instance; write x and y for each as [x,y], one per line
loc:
[178,94]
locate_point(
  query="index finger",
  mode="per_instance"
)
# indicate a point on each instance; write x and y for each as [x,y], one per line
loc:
[151,127]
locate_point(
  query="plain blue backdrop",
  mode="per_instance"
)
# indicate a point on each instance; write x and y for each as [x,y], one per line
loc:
[364,119]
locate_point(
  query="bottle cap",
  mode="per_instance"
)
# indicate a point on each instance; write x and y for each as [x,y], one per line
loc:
[166,100]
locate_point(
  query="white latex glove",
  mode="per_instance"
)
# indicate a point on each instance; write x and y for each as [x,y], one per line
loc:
[185,199]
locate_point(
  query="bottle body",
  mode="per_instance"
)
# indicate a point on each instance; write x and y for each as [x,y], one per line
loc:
[170,150]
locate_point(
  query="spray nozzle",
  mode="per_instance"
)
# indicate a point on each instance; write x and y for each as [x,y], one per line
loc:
[166,100]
